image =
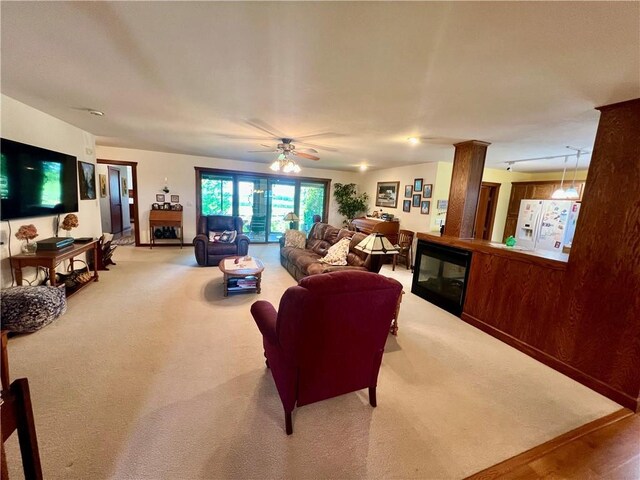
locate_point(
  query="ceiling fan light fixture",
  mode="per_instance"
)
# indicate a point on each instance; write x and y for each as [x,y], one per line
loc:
[275,166]
[413,140]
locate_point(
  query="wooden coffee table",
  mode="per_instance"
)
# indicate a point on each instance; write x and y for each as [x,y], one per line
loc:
[241,274]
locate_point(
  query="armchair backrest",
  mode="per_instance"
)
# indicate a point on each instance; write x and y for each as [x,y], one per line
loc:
[218,223]
[334,327]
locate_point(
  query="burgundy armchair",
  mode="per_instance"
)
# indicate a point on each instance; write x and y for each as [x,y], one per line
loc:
[210,253]
[328,337]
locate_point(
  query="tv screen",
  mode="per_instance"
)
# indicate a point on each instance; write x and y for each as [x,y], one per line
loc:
[35,182]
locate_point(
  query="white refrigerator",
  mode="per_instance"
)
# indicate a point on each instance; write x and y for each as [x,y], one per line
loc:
[546,224]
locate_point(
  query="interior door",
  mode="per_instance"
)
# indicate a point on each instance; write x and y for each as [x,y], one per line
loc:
[115,200]
[485,215]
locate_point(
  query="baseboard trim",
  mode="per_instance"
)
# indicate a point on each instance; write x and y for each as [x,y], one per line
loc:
[534,453]
[578,375]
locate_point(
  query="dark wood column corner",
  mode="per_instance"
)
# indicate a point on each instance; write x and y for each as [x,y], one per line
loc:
[466,179]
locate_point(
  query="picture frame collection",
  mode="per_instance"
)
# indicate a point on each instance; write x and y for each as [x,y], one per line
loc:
[424,190]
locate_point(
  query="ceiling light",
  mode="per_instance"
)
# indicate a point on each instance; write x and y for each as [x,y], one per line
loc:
[363,167]
[560,194]
[286,164]
[97,113]
[413,140]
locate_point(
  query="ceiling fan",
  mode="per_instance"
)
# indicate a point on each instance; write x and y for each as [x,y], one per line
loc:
[287,148]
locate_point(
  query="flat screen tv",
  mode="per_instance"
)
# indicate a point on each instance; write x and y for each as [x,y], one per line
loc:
[35,182]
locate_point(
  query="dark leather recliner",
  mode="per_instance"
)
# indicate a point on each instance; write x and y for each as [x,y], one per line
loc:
[210,253]
[328,337]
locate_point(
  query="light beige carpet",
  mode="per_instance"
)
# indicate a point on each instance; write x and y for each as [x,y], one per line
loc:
[152,373]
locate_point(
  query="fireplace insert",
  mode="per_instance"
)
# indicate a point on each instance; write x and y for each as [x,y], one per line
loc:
[440,275]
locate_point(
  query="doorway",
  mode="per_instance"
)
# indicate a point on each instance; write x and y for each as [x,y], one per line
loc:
[115,200]
[486,213]
[128,191]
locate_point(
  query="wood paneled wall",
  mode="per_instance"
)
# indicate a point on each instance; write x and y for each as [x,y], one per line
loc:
[583,321]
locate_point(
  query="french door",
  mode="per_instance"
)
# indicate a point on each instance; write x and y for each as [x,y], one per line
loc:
[263,201]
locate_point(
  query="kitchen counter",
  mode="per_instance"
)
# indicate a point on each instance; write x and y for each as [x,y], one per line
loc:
[553,260]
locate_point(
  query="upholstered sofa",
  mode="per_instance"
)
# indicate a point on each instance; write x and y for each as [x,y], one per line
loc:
[210,253]
[303,262]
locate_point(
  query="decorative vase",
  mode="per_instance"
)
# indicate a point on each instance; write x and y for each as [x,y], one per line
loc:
[29,248]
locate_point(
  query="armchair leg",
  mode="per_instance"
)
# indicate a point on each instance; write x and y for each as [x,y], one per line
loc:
[288,423]
[372,397]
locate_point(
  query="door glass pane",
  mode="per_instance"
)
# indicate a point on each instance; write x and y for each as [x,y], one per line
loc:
[252,206]
[311,204]
[282,202]
[216,195]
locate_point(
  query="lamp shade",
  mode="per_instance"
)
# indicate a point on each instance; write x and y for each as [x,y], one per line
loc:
[291,217]
[376,244]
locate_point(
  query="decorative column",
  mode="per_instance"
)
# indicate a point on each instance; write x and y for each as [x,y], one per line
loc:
[466,179]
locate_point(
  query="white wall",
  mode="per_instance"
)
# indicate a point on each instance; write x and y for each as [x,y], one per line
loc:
[25,124]
[154,167]
[413,220]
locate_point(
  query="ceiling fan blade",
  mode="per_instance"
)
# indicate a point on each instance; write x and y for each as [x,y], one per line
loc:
[321,147]
[305,155]
[237,137]
[265,127]
[321,135]
[266,146]
[262,151]
[309,150]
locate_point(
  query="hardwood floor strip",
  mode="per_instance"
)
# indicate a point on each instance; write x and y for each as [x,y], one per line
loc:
[522,460]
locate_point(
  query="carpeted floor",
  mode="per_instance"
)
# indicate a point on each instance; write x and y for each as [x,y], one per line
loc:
[152,373]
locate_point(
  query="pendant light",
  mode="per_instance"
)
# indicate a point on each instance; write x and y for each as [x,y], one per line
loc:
[572,192]
[560,194]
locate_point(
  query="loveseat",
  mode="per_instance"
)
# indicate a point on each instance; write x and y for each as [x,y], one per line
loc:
[301,262]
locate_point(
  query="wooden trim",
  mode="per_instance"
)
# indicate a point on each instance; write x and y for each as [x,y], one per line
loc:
[562,367]
[539,451]
[134,174]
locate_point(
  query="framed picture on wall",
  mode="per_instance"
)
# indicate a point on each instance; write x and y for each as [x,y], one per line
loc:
[427,190]
[417,185]
[103,185]
[175,198]
[408,191]
[424,207]
[87,179]
[160,197]
[387,194]
[416,200]
[406,205]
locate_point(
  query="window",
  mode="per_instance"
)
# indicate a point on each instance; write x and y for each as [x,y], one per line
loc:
[261,200]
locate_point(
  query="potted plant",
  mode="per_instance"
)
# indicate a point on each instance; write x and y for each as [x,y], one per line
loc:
[350,203]
[28,232]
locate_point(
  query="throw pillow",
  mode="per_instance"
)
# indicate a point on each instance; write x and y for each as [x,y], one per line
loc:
[214,236]
[337,253]
[295,239]
[228,236]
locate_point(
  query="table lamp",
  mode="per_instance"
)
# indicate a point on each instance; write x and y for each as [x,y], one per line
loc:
[292,218]
[378,246]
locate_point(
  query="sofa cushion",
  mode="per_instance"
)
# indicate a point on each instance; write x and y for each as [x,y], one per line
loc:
[315,268]
[295,239]
[337,254]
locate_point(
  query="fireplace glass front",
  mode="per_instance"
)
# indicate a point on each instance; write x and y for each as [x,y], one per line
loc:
[440,275]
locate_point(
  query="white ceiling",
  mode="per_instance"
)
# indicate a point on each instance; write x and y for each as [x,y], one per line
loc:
[186,76]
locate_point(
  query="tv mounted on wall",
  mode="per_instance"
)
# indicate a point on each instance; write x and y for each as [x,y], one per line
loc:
[35,182]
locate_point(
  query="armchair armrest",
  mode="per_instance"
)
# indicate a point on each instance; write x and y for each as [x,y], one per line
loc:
[200,243]
[266,318]
[281,241]
[243,244]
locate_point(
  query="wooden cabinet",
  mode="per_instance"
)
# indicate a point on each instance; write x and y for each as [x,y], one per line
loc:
[164,218]
[541,190]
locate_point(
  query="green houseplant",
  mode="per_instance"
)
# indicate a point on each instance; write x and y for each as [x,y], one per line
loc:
[350,203]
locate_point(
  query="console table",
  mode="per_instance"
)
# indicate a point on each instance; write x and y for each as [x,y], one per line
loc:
[50,259]
[164,218]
